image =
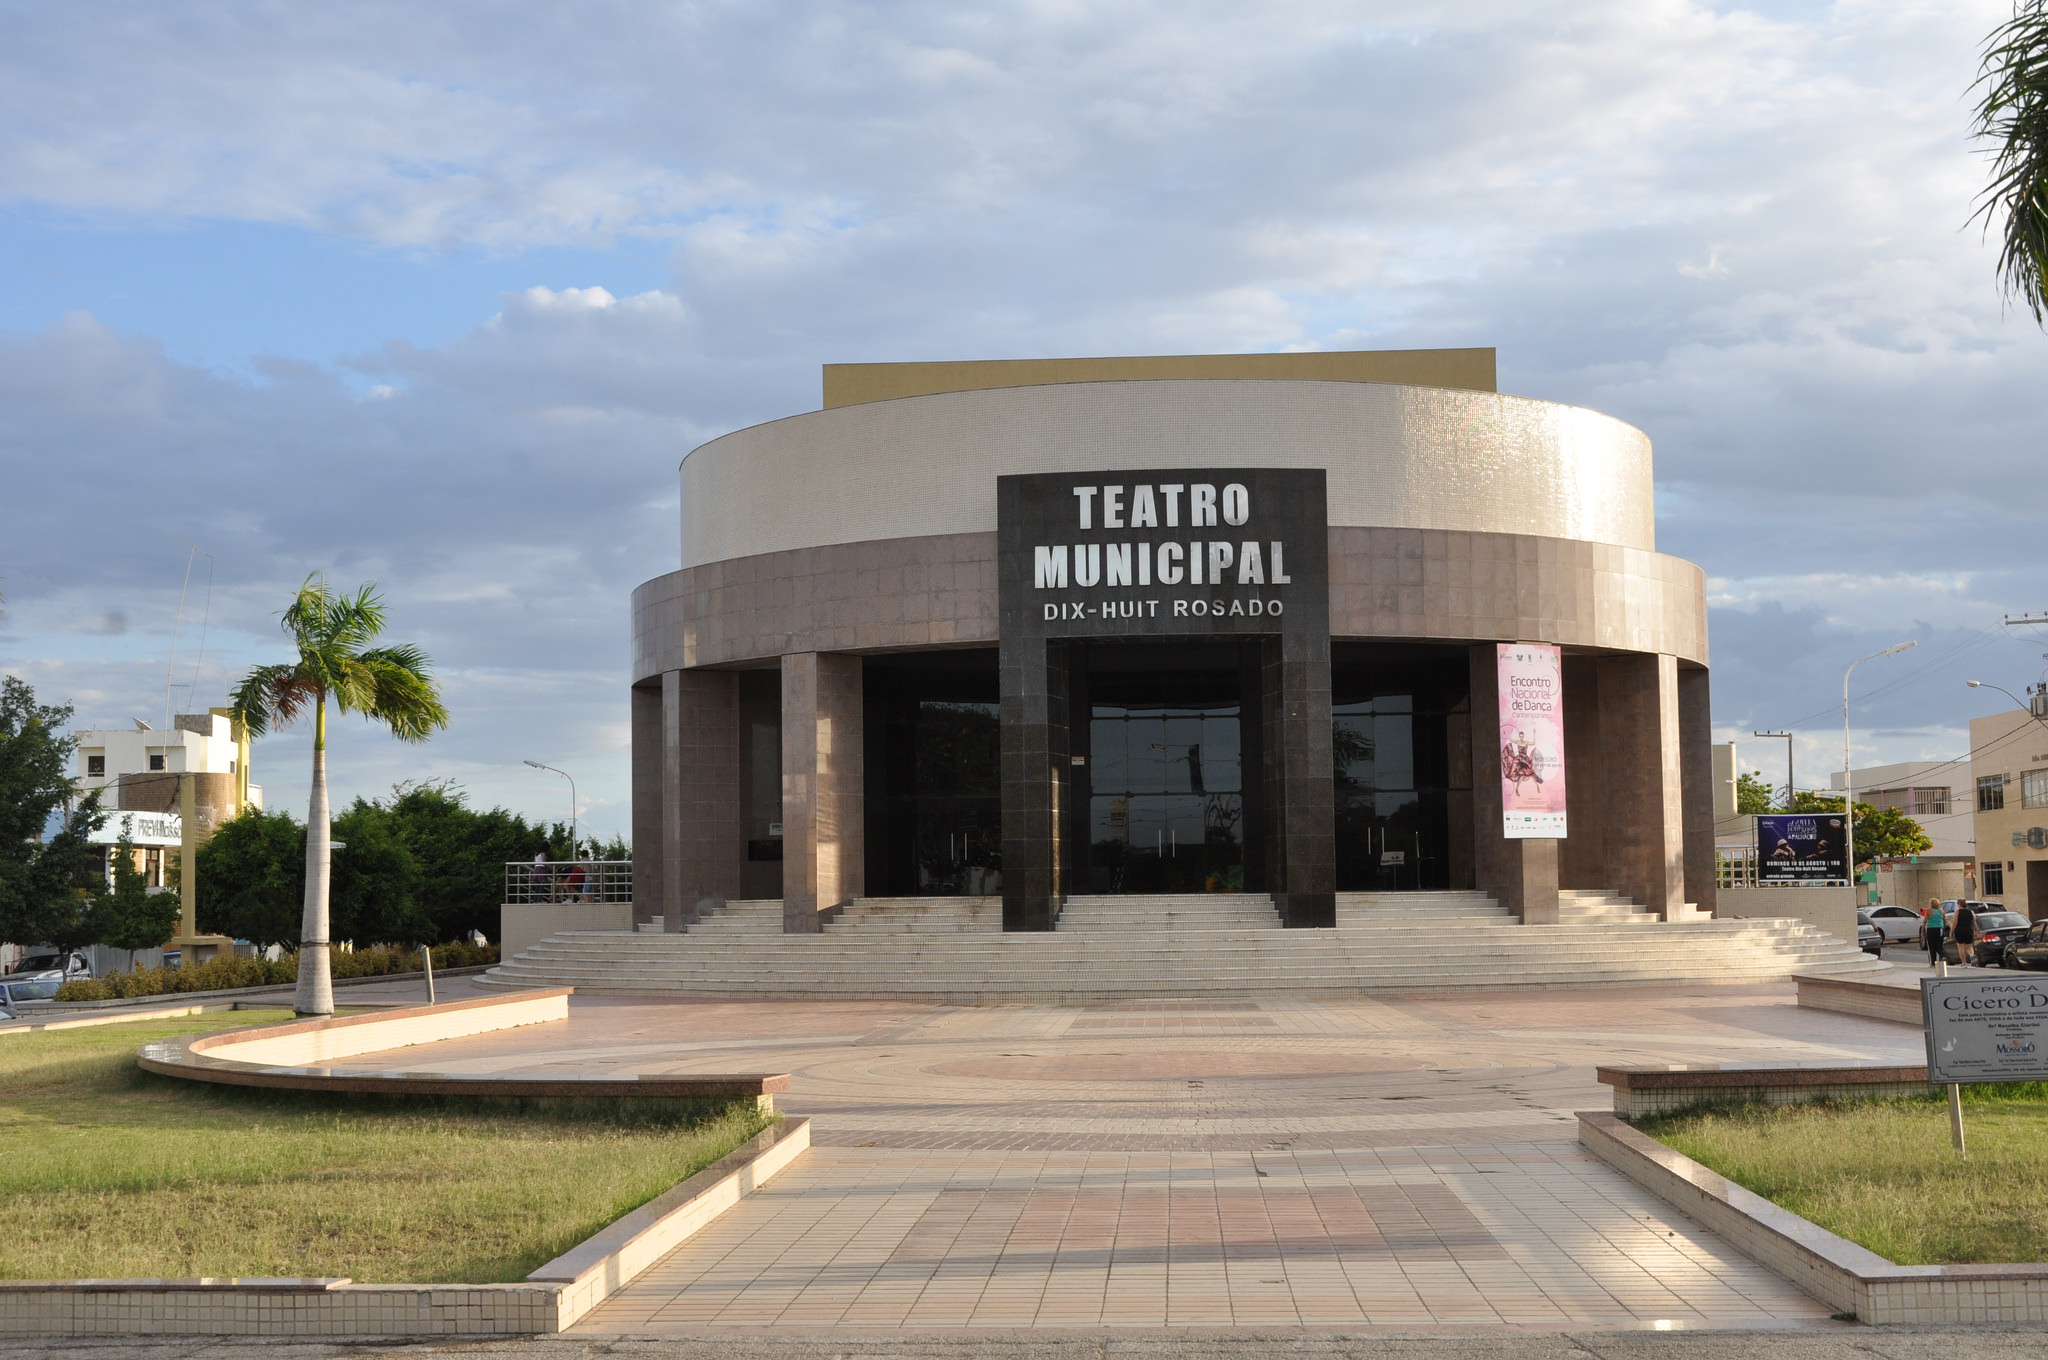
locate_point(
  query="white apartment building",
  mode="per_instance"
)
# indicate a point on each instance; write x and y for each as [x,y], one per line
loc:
[138,767]
[1936,794]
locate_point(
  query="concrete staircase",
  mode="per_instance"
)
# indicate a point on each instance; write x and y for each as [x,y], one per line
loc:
[1164,913]
[1582,907]
[1222,945]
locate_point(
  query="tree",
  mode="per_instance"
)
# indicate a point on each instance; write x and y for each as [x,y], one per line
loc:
[2013,114]
[1754,794]
[392,685]
[50,884]
[252,878]
[1881,833]
[134,917]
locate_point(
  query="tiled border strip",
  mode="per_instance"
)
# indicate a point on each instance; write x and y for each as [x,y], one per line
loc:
[1832,1269]
[551,1299]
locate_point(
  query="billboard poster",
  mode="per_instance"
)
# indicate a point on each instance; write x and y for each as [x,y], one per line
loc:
[1802,848]
[1531,741]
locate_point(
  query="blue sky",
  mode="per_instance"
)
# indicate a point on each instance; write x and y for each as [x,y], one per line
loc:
[439,298]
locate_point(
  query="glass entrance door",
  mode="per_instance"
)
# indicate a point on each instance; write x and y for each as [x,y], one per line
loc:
[1166,811]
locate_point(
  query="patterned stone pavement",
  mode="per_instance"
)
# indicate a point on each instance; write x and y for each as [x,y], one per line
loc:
[1197,1165]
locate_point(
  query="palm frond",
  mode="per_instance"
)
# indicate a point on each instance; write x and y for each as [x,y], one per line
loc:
[2013,114]
[271,696]
[407,699]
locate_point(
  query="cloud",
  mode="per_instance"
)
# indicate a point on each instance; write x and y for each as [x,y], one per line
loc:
[1742,229]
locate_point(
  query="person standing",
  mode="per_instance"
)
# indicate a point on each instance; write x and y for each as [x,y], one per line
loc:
[1934,927]
[1963,930]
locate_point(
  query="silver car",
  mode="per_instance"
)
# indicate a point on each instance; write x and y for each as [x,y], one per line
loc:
[38,976]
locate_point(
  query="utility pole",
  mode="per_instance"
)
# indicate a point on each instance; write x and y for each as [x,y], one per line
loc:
[1790,787]
[1849,778]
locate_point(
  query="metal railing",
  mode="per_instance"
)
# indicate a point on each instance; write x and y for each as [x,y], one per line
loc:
[569,880]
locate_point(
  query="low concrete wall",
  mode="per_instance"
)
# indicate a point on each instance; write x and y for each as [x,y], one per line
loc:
[1640,1091]
[1832,1269]
[1831,909]
[548,1301]
[1852,996]
[522,925]
[314,1041]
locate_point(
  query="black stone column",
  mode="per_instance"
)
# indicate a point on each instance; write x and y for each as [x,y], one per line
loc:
[1300,840]
[1035,777]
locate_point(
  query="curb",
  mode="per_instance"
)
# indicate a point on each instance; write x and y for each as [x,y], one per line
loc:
[1850,1279]
[547,1302]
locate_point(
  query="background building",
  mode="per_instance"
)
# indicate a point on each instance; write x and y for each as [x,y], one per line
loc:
[1932,793]
[2009,779]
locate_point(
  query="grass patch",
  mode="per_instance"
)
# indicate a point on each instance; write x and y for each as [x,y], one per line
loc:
[1883,1173]
[114,1172]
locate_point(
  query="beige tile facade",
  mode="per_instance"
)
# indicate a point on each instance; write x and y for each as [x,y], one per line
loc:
[2007,749]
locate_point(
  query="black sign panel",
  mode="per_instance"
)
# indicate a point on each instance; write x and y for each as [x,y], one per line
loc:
[1163,553]
[1802,848]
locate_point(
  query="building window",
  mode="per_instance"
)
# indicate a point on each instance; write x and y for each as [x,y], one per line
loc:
[1991,793]
[1994,880]
[1930,802]
[156,762]
[2034,788]
[96,767]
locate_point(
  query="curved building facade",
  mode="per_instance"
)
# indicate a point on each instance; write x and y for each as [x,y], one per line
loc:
[1214,623]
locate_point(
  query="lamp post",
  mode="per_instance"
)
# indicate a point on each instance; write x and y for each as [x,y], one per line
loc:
[1849,779]
[1789,786]
[572,803]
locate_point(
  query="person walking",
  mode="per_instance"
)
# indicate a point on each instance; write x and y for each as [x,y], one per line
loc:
[1963,930]
[1934,927]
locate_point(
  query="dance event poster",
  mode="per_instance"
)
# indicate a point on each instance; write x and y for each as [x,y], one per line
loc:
[1531,741]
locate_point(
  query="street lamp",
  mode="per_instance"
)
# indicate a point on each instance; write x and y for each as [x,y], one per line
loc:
[572,803]
[1789,786]
[1848,778]
[2034,708]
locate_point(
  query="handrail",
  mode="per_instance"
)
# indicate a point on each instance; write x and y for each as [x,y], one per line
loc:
[569,880]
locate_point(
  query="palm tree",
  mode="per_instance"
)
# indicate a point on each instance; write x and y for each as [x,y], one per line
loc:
[2014,114]
[385,684]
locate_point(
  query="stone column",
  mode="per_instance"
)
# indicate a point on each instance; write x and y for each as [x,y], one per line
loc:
[1644,818]
[649,821]
[1522,874]
[1696,774]
[1035,774]
[1300,801]
[700,793]
[823,832]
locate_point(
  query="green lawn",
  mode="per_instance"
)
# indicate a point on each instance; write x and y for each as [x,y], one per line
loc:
[1884,1174]
[109,1171]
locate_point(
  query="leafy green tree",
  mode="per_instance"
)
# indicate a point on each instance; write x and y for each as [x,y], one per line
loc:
[50,889]
[1754,794]
[392,685]
[252,878]
[1881,833]
[2013,115]
[135,917]
[377,880]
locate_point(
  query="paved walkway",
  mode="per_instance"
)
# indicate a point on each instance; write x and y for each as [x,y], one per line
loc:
[1196,1165]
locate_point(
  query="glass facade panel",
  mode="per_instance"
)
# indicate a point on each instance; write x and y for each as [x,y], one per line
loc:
[1400,797]
[1168,816]
[1991,793]
[934,801]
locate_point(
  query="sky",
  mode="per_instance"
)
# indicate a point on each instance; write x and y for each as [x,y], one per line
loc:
[438,298]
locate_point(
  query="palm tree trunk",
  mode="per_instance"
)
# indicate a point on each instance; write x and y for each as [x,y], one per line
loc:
[316,979]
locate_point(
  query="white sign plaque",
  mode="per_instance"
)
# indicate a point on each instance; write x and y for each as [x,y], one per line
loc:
[1985,1029]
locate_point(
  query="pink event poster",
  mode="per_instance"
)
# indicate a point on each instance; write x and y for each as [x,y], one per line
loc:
[1531,741]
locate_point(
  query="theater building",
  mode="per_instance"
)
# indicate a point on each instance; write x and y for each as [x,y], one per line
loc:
[1044,628]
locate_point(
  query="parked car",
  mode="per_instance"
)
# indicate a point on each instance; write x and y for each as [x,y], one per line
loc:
[2029,950]
[1994,930]
[38,976]
[1897,923]
[1867,934]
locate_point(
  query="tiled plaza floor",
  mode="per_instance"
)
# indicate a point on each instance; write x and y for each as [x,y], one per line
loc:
[1180,1164]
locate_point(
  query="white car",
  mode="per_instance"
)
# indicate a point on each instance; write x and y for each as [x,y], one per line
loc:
[1897,923]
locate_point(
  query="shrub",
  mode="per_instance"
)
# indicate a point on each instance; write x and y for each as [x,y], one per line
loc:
[224,974]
